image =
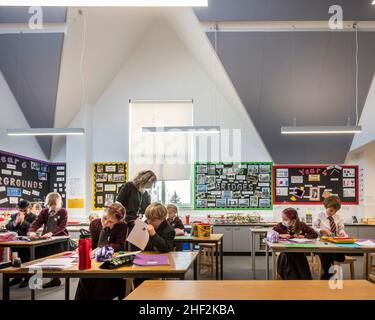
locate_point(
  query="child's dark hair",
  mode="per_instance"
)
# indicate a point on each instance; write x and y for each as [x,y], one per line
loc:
[332,202]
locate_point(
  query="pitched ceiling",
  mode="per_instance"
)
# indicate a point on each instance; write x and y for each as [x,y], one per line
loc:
[30,64]
[309,73]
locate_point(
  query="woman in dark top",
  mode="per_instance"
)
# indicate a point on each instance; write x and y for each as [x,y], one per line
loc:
[133,195]
[293,266]
[108,231]
[53,219]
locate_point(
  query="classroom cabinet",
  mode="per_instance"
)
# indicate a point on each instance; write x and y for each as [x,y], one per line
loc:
[235,239]
[227,237]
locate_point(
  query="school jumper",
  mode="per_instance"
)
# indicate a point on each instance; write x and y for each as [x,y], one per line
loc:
[22,228]
[104,289]
[335,224]
[176,223]
[294,266]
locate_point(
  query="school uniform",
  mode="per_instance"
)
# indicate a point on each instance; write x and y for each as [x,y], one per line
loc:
[54,222]
[176,223]
[21,228]
[104,289]
[294,266]
[162,241]
[336,225]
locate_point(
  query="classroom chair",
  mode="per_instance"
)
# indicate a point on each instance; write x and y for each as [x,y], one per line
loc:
[350,261]
[314,264]
[206,257]
[372,267]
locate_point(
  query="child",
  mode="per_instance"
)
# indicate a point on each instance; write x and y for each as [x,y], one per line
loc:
[20,222]
[109,231]
[93,216]
[36,208]
[161,232]
[174,220]
[53,219]
[293,266]
[329,223]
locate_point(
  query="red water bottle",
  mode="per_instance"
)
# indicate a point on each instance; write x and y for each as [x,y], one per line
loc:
[84,250]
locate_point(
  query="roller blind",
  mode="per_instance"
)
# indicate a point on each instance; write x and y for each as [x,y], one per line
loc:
[167,154]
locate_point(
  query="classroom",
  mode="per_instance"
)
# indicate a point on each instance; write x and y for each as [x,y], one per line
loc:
[185,150]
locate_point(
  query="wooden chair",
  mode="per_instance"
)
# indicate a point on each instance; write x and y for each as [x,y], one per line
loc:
[372,267]
[206,257]
[350,261]
[314,264]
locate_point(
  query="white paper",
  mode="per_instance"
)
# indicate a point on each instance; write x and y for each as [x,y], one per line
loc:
[17,173]
[139,235]
[35,193]
[301,240]
[11,166]
[54,263]
[3,200]
[366,243]
[27,192]
[2,189]
[13,200]
[8,172]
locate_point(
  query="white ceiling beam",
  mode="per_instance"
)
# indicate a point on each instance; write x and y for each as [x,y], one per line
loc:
[16,28]
[284,26]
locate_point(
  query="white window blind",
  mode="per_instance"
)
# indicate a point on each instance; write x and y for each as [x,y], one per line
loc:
[167,154]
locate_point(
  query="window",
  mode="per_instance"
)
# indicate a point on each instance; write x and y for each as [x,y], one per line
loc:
[177,192]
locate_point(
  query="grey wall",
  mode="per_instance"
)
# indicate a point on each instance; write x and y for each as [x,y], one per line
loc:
[312,73]
[219,10]
[30,64]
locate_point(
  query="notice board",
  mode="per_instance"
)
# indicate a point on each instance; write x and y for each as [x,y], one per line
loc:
[308,184]
[108,178]
[233,186]
[29,179]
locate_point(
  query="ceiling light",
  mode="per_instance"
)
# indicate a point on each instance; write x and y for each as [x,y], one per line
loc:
[46,132]
[182,129]
[322,130]
[106,3]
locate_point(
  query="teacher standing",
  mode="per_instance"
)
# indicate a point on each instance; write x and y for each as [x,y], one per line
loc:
[134,197]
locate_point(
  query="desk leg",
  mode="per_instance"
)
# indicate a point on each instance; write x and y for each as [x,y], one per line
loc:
[221,259]
[217,260]
[267,263]
[5,287]
[32,293]
[67,288]
[195,269]
[253,254]
[365,266]
[32,253]
[274,267]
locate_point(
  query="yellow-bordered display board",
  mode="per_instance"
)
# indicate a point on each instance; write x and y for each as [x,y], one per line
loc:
[108,177]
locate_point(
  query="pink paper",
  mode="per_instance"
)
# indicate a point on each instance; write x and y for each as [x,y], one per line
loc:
[151,260]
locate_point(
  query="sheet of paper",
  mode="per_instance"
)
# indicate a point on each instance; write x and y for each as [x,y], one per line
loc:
[139,235]
[367,243]
[54,263]
[303,240]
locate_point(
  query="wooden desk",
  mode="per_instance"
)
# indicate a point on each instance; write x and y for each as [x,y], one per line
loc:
[253,290]
[31,245]
[319,247]
[180,263]
[254,232]
[217,239]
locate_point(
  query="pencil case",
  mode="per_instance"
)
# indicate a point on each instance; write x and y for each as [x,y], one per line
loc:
[117,262]
[342,240]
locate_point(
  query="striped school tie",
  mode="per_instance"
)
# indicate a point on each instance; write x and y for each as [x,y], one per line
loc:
[332,225]
[291,230]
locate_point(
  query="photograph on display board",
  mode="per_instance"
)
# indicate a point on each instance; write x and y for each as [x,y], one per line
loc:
[108,178]
[310,184]
[235,186]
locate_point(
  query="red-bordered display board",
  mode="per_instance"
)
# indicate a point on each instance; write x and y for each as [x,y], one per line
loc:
[306,184]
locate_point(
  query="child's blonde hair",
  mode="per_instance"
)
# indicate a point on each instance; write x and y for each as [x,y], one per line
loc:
[156,211]
[53,199]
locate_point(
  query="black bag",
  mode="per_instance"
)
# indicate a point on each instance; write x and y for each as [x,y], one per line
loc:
[118,262]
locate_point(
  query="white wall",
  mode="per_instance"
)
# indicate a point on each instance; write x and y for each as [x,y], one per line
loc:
[12,117]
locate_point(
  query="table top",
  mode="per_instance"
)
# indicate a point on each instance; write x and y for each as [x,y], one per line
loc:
[180,262]
[215,237]
[23,243]
[252,290]
[315,246]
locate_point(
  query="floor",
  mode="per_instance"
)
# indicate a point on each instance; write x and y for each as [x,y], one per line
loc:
[235,268]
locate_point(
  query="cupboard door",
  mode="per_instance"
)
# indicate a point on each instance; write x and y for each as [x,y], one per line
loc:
[227,237]
[241,239]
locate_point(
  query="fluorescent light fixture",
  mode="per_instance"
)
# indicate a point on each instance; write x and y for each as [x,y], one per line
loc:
[46,132]
[322,130]
[182,129]
[105,3]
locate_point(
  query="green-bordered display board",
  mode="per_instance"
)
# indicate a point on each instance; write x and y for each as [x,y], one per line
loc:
[233,186]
